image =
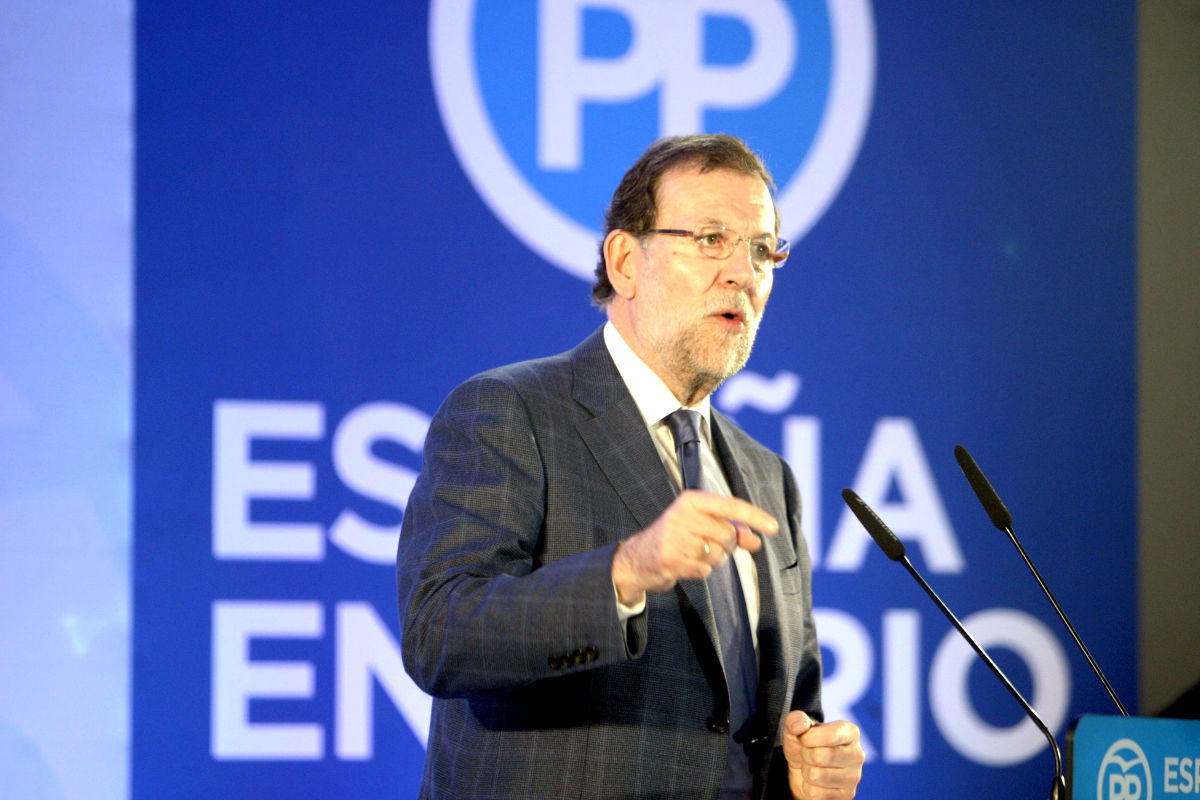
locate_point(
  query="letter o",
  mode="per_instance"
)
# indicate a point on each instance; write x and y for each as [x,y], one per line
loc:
[953,710]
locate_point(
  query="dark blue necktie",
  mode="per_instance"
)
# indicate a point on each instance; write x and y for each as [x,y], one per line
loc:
[685,428]
[733,624]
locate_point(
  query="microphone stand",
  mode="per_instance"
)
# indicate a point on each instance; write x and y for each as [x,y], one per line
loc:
[1058,789]
[1002,519]
[1070,628]
[894,549]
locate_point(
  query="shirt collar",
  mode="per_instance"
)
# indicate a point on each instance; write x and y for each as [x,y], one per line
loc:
[654,400]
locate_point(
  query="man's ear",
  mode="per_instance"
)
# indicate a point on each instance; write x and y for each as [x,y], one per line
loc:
[622,258]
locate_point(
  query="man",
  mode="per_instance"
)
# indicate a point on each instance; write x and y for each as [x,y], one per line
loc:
[605,599]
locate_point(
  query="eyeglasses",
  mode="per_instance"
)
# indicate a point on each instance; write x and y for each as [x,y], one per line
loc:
[717,241]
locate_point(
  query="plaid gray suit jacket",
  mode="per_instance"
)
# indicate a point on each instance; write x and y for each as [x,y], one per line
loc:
[532,474]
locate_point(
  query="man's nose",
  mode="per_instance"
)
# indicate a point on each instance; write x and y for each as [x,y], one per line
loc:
[739,268]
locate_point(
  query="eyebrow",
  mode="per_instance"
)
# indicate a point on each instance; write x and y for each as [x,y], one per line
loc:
[723,224]
[715,221]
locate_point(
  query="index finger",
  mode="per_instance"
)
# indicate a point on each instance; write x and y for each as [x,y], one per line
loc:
[735,510]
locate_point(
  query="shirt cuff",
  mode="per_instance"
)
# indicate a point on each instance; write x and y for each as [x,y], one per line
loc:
[625,612]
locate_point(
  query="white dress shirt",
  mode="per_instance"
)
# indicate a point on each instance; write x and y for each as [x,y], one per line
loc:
[655,402]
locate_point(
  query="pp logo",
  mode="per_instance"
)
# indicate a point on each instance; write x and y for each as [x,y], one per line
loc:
[547,102]
[1124,773]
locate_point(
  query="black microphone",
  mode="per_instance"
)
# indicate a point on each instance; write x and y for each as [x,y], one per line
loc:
[1003,522]
[893,548]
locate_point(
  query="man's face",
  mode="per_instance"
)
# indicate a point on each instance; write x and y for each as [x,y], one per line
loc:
[694,318]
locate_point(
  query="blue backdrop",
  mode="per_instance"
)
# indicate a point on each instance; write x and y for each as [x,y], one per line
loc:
[343,210]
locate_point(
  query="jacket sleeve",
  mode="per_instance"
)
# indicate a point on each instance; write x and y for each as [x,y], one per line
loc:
[479,609]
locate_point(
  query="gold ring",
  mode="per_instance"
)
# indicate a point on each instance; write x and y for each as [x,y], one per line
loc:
[706,549]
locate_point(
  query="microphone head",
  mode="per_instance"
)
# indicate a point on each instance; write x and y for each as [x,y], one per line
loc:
[892,547]
[983,490]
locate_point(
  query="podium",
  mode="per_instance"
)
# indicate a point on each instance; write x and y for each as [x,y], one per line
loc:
[1133,758]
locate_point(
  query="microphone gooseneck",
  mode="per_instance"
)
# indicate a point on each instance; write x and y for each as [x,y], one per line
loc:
[891,545]
[1003,521]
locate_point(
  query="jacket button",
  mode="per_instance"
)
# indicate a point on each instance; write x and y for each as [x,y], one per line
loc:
[717,725]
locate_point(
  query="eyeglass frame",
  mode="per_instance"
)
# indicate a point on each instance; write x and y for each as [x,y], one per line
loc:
[777,258]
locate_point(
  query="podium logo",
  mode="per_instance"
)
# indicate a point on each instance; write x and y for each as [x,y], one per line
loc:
[547,102]
[1124,773]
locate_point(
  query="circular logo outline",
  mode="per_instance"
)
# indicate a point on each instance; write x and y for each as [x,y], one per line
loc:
[1110,756]
[565,243]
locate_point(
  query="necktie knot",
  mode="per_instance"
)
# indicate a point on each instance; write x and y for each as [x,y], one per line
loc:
[685,426]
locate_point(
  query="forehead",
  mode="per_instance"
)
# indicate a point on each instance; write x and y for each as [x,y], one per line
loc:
[688,196]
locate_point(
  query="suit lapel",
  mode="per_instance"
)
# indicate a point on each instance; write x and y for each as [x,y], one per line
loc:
[617,438]
[616,435]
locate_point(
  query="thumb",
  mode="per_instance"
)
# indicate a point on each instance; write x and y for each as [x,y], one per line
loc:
[798,722]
